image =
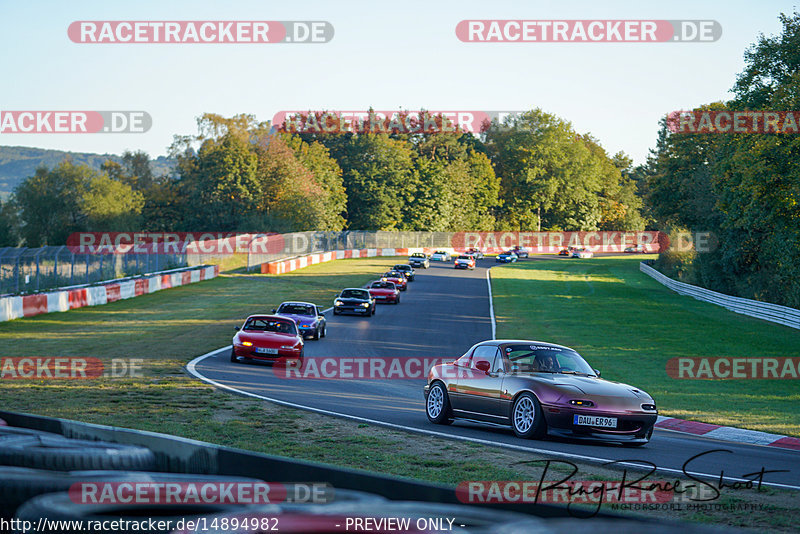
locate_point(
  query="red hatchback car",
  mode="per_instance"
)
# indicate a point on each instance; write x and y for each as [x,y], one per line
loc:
[268,338]
[397,278]
[383,291]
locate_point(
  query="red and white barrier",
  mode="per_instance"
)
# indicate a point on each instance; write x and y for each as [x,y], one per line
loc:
[69,299]
[289,265]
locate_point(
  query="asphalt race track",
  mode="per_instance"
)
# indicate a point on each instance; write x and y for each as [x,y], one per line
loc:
[442,314]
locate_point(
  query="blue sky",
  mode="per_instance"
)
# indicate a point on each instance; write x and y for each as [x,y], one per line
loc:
[384,55]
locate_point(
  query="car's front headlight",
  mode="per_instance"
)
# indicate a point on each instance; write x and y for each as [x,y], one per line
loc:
[337,303]
[287,346]
[365,304]
[247,344]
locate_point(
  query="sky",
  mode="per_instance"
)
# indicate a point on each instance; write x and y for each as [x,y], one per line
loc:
[385,55]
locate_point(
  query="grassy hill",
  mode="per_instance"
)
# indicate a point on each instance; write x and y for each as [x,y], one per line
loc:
[19,162]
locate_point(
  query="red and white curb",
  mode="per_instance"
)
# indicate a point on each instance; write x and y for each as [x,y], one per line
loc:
[728,433]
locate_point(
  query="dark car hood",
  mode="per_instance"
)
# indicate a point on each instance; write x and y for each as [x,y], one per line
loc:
[352,300]
[299,318]
[599,387]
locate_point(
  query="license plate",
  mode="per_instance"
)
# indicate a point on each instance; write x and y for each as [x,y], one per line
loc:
[262,350]
[379,297]
[595,420]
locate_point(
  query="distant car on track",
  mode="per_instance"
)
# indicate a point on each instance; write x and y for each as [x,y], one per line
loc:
[419,260]
[582,253]
[566,251]
[476,252]
[398,278]
[465,261]
[309,318]
[506,257]
[406,270]
[383,291]
[440,255]
[354,300]
[268,338]
[521,252]
[538,389]
[637,249]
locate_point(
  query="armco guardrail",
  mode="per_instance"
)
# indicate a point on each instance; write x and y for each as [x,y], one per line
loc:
[760,310]
[15,307]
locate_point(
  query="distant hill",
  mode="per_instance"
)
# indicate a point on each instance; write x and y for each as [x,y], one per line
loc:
[19,162]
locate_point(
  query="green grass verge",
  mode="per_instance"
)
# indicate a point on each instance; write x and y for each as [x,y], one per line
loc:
[628,325]
[168,328]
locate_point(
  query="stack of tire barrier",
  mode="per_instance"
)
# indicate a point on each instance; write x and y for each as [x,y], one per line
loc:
[15,307]
[39,469]
[39,473]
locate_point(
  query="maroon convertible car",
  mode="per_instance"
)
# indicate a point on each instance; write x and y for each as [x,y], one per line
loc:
[269,338]
[538,388]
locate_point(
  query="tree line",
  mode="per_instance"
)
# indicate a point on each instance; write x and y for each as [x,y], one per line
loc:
[534,171]
[742,187]
[531,172]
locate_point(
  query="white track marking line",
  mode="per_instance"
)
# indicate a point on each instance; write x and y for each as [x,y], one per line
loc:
[191,367]
[491,303]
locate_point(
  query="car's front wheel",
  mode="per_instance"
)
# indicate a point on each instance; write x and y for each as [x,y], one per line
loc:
[324,329]
[527,419]
[234,359]
[316,335]
[437,406]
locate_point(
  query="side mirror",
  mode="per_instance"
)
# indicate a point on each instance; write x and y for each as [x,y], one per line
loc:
[236,328]
[273,310]
[596,371]
[483,366]
[515,368]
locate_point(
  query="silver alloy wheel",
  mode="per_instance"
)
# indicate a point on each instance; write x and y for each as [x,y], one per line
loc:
[524,415]
[435,402]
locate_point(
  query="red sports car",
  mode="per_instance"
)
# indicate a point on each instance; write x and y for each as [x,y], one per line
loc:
[397,278]
[384,292]
[269,338]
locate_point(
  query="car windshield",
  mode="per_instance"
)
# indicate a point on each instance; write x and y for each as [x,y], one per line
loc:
[402,267]
[439,252]
[392,274]
[465,257]
[296,309]
[355,294]
[418,255]
[261,324]
[382,285]
[546,359]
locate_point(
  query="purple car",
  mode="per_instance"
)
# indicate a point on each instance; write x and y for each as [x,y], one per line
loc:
[538,389]
[308,317]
